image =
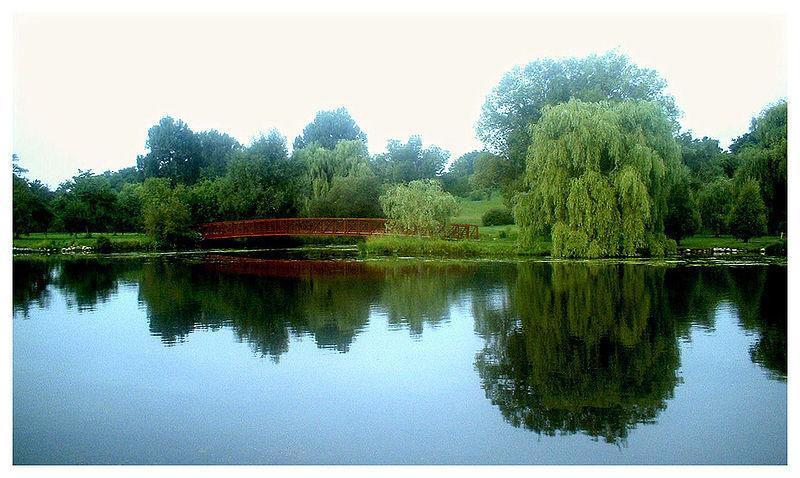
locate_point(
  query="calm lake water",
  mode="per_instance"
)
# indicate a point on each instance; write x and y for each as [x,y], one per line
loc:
[259,359]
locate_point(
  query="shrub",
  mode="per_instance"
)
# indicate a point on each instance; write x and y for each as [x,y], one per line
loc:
[776,249]
[497,217]
[103,244]
[479,195]
[166,214]
[749,215]
[421,208]
[715,201]
[683,216]
[348,196]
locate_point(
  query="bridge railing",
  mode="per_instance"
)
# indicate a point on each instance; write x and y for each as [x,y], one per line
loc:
[294,226]
[316,226]
[463,231]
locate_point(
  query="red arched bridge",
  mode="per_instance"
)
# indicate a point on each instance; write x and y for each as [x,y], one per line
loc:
[316,226]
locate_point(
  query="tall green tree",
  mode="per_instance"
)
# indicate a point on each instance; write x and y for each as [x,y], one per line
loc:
[493,172]
[683,215]
[271,146]
[749,215]
[347,158]
[73,215]
[215,149]
[85,203]
[117,179]
[31,209]
[41,206]
[763,157]
[704,158]
[204,200]
[21,201]
[254,188]
[715,201]
[128,211]
[519,98]
[598,177]
[165,213]
[173,153]
[456,179]
[261,182]
[328,128]
[410,161]
[349,196]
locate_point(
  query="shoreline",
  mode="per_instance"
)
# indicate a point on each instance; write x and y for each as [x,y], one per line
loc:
[353,253]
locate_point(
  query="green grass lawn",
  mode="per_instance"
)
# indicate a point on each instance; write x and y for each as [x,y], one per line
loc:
[409,246]
[501,241]
[59,240]
[495,241]
[471,211]
[703,241]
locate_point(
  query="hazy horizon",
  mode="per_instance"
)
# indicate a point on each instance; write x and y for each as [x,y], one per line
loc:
[87,88]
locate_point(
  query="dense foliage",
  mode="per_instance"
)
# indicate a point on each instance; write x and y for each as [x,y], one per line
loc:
[749,215]
[456,180]
[520,97]
[420,208]
[586,151]
[165,212]
[715,202]
[683,216]
[598,176]
[763,157]
[328,128]
[405,162]
[497,217]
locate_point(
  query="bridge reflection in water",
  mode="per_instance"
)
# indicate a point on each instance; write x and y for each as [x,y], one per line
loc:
[316,226]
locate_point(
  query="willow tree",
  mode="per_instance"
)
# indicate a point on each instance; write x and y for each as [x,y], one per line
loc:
[580,348]
[521,95]
[324,166]
[421,207]
[597,179]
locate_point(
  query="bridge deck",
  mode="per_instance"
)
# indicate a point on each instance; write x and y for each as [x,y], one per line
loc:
[316,226]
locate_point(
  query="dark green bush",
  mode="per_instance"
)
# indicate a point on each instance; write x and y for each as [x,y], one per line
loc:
[479,195]
[777,249]
[497,217]
[103,244]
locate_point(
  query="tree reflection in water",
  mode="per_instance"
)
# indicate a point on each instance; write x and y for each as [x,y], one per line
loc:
[266,301]
[30,280]
[593,348]
[572,347]
[587,348]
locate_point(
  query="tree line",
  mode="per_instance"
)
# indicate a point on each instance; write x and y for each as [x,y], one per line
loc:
[187,178]
[586,152]
[589,154]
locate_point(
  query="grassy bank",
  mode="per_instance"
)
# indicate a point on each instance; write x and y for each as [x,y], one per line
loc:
[57,241]
[496,241]
[403,246]
[470,212]
[501,240]
[492,245]
[703,242]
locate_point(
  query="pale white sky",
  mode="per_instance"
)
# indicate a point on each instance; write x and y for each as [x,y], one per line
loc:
[87,88]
